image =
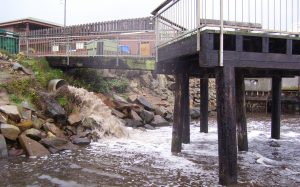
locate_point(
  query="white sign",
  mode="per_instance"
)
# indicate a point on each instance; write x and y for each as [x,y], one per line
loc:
[55,48]
[79,45]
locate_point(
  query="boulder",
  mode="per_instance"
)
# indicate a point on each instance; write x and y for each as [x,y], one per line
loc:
[132,98]
[89,122]
[25,124]
[149,127]
[119,99]
[12,112]
[169,117]
[37,123]
[54,129]
[26,114]
[135,116]
[32,147]
[51,108]
[144,102]
[18,67]
[74,118]
[159,121]
[133,123]
[15,152]
[147,116]
[81,141]
[195,113]
[33,134]
[3,118]
[55,144]
[10,132]
[3,147]
[117,113]
[28,106]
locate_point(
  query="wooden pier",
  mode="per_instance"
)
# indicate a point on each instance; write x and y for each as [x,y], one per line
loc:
[246,55]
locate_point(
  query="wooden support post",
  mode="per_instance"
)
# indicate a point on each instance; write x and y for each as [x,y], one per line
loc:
[241,113]
[226,117]
[204,105]
[181,104]
[186,110]
[276,107]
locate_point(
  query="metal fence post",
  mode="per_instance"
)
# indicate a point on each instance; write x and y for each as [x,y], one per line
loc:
[198,22]
[221,33]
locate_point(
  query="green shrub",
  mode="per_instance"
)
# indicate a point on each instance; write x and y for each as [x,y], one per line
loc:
[62,101]
[43,72]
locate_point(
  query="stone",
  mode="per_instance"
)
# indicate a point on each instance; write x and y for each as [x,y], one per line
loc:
[71,130]
[4,99]
[274,144]
[25,124]
[159,121]
[147,116]
[89,122]
[81,141]
[133,123]
[169,117]
[119,99]
[50,135]
[37,123]
[74,118]
[117,113]
[132,98]
[3,147]
[12,112]
[54,129]
[26,114]
[195,113]
[28,106]
[144,102]
[55,144]
[135,116]
[149,127]
[33,134]
[15,152]
[32,147]
[3,118]
[18,67]
[51,108]
[10,132]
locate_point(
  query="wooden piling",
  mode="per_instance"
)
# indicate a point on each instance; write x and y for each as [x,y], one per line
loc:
[204,105]
[276,107]
[227,148]
[181,92]
[241,113]
[186,110]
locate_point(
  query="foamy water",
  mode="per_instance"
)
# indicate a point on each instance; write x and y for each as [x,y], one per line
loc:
[144,159]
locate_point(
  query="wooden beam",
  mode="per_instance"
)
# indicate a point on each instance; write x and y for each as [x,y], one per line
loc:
[186,110]
[204,105]
[241,113]
[276,107]
[225,84]
[181,92]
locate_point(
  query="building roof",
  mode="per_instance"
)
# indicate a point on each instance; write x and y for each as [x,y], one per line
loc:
[32,21]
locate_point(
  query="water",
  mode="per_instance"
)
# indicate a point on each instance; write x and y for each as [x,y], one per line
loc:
[144,159]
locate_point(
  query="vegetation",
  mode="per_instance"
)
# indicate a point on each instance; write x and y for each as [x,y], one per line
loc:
[43,72]
[92,80]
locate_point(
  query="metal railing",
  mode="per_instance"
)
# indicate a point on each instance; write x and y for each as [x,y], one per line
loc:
[132,44]
[178,18]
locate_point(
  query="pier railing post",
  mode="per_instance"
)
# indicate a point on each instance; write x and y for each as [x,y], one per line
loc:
[181,104]
[204,105]
[226,117]
[241,113]
[276,107]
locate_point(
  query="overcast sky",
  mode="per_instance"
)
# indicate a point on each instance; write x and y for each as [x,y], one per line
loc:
[78,11]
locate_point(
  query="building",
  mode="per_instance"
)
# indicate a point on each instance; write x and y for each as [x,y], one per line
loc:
[27,24]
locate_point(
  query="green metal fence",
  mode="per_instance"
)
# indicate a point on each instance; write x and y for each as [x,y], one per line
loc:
[9,42]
